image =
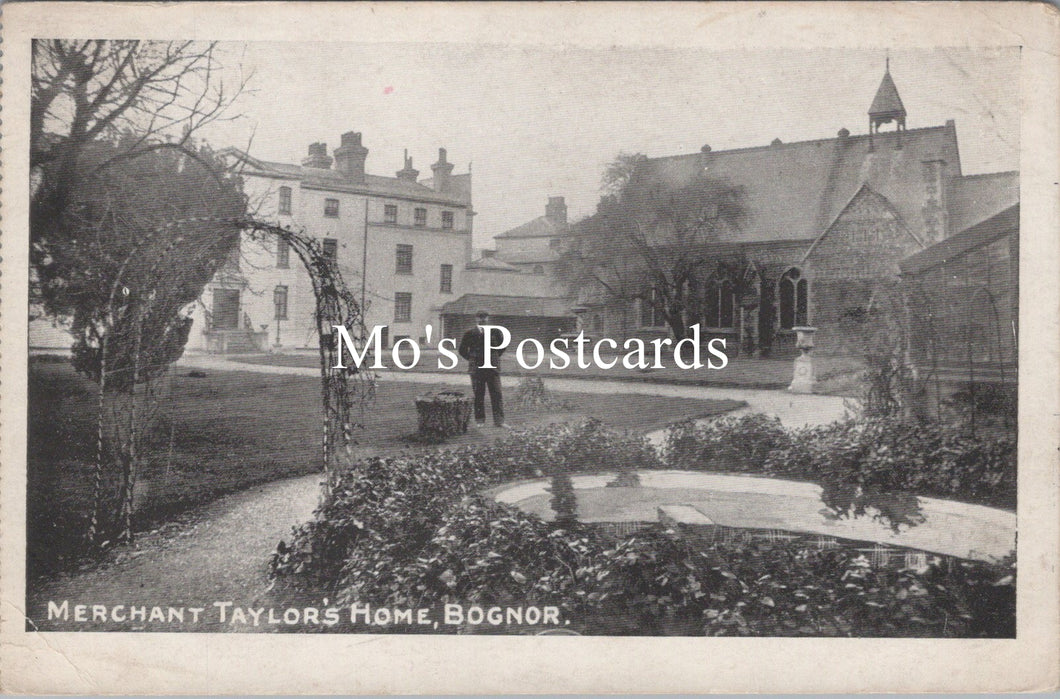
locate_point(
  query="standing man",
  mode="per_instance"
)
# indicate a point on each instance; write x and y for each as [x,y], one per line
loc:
[473,349]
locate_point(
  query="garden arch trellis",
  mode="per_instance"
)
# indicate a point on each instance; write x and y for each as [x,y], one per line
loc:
[342,389]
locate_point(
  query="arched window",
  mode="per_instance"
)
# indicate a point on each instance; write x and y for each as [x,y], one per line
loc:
[538,269]
[793,290]
[651,316]
[719,302]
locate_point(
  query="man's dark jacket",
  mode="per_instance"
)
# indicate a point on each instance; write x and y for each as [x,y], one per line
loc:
[473,349]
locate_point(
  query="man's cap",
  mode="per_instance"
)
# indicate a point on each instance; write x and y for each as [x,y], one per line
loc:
[482,313]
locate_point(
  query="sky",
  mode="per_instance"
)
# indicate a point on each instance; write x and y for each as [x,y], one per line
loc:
[538,121]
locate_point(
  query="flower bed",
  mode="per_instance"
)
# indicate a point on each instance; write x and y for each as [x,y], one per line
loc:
[414,532]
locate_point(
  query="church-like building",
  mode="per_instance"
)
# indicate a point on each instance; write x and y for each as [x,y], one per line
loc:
[825,221]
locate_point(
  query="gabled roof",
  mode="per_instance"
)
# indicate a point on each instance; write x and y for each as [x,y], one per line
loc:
[540,227]
[865,192]
[995,227]
[794,191]
[887,102]
[510,306]
[333,180]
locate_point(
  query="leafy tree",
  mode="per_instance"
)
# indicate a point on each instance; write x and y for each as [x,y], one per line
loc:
[654,239]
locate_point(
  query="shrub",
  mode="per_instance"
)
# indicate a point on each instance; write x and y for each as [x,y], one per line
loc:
[655,583]
[413,531]
[383,509]
[882,463]
[727,444]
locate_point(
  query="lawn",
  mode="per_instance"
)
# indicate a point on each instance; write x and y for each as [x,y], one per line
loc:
[231,430]
[839,376]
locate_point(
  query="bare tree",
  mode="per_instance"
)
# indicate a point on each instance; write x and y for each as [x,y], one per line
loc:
[135,96]
[653,239]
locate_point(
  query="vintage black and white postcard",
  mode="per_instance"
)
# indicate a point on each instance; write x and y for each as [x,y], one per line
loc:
[529,347]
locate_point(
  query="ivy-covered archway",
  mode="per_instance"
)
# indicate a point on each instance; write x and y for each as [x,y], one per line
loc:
[341,389]
[141,334]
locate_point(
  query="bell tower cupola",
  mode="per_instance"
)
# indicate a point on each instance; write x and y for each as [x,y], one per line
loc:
[887,105]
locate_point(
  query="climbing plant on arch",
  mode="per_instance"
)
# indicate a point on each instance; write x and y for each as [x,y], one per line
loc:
[341,388]
[142,330]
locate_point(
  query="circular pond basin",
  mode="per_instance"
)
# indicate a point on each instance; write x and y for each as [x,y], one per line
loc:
[949,528]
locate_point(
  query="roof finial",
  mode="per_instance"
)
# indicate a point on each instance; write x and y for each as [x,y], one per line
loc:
[887,62]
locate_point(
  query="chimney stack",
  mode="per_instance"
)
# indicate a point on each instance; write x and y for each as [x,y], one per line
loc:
[350,156]
[556,211]
[318,156]
[408,173]
[442,170]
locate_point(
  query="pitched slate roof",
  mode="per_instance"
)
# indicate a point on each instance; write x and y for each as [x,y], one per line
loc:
[540,227]
[511,306]
[794,191]
[974,198]
[333,180]
[987,231]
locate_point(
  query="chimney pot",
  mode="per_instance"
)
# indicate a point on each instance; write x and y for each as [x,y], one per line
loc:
[442,170]
[351,156]
[408,172]
[318,156]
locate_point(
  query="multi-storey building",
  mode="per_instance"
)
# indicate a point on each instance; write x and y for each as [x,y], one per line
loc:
[401,244]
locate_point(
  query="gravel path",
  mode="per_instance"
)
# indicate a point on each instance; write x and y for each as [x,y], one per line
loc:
[219,552]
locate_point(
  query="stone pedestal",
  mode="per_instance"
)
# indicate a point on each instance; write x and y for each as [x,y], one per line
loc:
[804,377]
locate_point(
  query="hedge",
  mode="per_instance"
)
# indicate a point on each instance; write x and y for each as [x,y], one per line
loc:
[414,531]
[860,463]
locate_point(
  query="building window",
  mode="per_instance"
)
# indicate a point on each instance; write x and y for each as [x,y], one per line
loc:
[447,279]
[555,243]
[390,213]
[231,263]
[285,200]
[402,307]
[331,208]
[330,248]
[650,315]
[279,302]
[793,293]
[404,259]
[283,254]
[421,216]
[719,304]
[447,219]
[538,269]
